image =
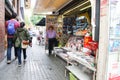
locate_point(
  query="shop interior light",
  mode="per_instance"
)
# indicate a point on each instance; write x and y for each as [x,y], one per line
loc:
[76,7]
[43,13]
[85,8]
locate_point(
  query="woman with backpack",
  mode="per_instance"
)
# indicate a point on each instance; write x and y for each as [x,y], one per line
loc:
[21,37]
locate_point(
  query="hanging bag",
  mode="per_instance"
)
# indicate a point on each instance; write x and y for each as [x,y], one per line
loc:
[24,44]
[18,42]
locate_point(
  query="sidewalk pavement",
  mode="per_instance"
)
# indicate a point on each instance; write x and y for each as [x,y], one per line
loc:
[39,66]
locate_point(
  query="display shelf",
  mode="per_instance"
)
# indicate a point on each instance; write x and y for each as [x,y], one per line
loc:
[62,53]
[81,23]
[76,56]
[78,73]
[59,50]
[82,60]
[63,56]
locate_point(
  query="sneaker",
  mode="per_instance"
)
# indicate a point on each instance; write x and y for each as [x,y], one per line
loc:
[9,61]
[15,58]
[24,60]
[19,65]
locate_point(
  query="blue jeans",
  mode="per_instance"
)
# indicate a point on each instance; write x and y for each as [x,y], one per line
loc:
[19,54]
[9,47]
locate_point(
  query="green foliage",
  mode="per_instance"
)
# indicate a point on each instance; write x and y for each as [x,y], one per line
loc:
[36,18]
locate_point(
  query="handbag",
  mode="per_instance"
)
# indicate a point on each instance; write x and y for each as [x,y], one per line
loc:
[24,44]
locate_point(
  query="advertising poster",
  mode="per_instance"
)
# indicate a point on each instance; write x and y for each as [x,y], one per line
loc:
[114,41]
[51,20]
[114,19]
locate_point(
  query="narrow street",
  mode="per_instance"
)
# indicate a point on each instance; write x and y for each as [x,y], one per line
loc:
[39,66]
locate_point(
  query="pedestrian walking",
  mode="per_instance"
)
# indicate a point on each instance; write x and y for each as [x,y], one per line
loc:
[11,26]
[39,37]
[51,38]
[21,38]
[31,36]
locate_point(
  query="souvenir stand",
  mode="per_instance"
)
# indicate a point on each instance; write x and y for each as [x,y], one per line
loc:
[79,53]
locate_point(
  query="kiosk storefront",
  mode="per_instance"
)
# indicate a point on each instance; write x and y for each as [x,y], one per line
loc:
[75,23]
[108,66]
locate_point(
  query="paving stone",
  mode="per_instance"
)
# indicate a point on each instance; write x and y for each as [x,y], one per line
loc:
[39,66]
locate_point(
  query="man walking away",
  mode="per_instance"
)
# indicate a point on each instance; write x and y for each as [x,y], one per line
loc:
[11,26]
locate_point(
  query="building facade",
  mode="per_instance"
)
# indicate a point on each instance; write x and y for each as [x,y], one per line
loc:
[2,29]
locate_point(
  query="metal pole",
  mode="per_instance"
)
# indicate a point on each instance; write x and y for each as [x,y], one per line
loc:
[97,20]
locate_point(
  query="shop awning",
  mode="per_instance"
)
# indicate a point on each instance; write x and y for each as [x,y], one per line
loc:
[44,6]
[61,6]
[41,22]
[75,7]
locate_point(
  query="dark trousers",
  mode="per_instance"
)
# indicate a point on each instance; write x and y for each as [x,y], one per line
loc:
[15,51]
[24,53]
[51,44]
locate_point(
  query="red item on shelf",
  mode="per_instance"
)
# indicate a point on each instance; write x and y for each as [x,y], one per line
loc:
[93,45]
[90,44]
[87,39]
